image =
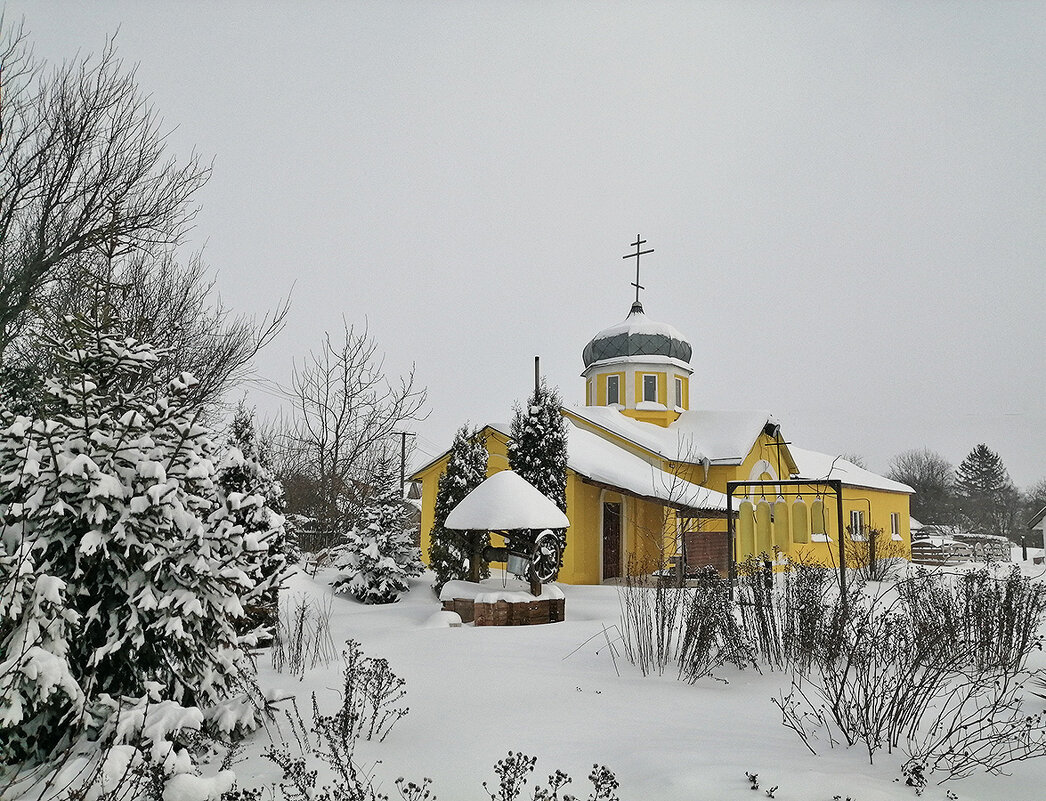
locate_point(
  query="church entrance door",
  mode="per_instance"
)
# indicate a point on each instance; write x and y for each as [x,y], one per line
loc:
[611,540]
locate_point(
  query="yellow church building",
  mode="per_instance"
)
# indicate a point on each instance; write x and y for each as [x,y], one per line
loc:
[647,475]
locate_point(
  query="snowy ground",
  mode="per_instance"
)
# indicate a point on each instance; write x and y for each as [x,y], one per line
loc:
[476,693]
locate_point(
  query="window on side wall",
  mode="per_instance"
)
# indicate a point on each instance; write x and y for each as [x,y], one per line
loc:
[895,526]
[613,390]
[679,393]
[857,531]
[650,388]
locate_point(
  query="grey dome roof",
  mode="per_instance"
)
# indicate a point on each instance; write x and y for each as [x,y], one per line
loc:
[638,335]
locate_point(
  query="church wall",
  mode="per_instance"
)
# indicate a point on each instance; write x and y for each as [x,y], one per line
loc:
[429,485]
[581,558]
[646,546]
[762,464]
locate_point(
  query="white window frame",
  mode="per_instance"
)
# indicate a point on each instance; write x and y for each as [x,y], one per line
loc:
[644,382]
[616,379]
[895,526]
[679,393]
[858,533]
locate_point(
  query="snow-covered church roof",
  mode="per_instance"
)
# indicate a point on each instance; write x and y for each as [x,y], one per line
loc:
[637,335]
[721,437]
[816,465]
[603,462]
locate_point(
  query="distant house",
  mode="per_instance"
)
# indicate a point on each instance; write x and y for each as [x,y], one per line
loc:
[645,471]
[1038,523]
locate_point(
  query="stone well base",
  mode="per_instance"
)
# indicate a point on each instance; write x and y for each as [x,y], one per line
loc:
[505,613]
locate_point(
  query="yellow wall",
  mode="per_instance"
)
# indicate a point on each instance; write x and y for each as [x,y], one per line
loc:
[581,557]
[877,505]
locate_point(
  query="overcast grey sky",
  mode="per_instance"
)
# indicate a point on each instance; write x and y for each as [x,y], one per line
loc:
[847,201]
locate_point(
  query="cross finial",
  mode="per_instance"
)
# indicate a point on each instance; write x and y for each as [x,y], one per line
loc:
[636,256]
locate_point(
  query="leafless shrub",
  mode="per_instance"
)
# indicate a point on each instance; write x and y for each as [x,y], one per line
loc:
[303,637]
[916,673]
[514,772]
[997,620]
[369,708]
[807,592]
[874,556]
[371,693]
[759,610]
[979,724]
[711,634]
[651,620]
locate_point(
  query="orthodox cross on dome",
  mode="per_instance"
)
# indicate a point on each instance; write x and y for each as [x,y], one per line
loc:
[637,306]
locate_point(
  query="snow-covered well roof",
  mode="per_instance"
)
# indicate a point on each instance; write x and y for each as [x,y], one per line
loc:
[504,502]
[814,465]
[722,437]
[603,462]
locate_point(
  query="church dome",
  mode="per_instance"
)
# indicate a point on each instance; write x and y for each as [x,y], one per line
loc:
[637,335]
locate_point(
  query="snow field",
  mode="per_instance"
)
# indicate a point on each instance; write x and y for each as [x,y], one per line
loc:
[476,693]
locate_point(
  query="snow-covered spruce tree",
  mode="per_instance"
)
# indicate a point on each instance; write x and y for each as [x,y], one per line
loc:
[255,500]
[538,452]
[454,554]
[123,568]
[379,553]
[987,499]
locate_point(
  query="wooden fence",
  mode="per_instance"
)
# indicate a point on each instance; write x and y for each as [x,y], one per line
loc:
[940,551]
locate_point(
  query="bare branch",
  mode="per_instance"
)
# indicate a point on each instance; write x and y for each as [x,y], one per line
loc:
[82,170]
[345,411]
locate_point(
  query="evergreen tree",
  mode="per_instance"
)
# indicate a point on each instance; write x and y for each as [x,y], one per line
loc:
[453,553]
[255,501]
[538,453]
[986,496]
[122,569]
[379,553]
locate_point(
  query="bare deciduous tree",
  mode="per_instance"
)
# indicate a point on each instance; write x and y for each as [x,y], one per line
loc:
[83,171]
[91,213]
[932,478]
[160,301]
[339,438]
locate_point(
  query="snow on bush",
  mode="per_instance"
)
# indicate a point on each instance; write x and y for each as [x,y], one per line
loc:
[450,551]
[255,498]
[379,553]
[537,451]
[123,566]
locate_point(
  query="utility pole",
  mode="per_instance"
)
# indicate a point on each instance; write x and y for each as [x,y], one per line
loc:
[537,375]
[403,456]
